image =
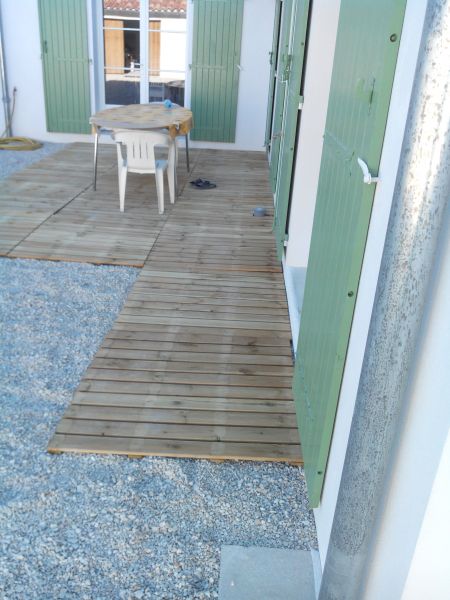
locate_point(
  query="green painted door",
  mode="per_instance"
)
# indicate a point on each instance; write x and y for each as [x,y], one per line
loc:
[283,65]
[290,120]
[215,68]
[363,72]
[273,59]
[64,44]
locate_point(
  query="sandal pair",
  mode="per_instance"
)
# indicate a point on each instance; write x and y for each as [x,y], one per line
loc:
[203,184]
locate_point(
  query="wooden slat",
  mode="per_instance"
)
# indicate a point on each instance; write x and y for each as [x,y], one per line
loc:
[176,448]
[180,416]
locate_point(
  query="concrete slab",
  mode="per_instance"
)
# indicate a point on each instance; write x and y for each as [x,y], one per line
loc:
[265,574]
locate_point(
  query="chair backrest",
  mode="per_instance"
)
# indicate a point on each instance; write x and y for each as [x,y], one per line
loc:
[140,147]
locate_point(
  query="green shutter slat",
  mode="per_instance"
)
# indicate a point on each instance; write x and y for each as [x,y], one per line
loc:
[215,77]
[273,68]
[290,120]
[363,73]
[280,90]
[64,43]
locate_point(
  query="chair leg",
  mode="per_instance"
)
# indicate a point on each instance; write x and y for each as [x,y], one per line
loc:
[187,153]
[95,158]
[159,176]
[123,172]
[171,182]
[172,171]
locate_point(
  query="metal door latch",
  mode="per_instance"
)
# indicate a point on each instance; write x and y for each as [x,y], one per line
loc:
[367,177]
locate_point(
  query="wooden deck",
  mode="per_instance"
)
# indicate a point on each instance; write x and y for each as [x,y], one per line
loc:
[49,211]
[198,363]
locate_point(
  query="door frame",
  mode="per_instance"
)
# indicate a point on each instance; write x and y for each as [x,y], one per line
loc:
[99,53]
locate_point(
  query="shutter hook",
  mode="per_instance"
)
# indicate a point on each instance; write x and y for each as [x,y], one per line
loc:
[367,177]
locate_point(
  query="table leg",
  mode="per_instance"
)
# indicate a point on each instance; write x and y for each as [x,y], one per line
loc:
[187,153]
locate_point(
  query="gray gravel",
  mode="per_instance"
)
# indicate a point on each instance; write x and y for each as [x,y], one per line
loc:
[15,160]
[107,527]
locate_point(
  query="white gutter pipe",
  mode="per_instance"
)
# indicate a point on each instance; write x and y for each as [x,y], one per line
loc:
[5,93]
[419,205]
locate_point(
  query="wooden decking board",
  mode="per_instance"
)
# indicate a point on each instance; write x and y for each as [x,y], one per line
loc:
[198,363]
[124,339]
[181,416]
[191,403]
[225,390]
[135,446]
[243,360]
[207,365]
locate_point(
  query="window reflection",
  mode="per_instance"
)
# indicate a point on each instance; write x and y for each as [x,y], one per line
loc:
[166,50]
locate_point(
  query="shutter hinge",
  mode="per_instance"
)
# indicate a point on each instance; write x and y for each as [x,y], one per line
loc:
[270,58]
[286,239]
[301,102]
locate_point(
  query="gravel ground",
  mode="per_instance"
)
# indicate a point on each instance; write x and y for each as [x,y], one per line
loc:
[109,527]
[15,160]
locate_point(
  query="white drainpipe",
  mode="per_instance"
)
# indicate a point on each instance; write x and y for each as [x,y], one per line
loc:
[5,93]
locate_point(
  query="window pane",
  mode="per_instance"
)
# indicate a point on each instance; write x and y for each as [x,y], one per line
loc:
[122,56]
[167,50]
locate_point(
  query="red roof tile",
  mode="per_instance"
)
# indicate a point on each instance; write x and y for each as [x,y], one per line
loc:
[156,6]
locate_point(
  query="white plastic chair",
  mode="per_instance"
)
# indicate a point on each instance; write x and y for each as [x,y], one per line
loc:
[186,137]
[140,158]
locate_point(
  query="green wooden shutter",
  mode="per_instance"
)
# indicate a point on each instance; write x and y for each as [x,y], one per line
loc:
[64,43]
[363,72]
[215,68]
[290,119]
[273,70]
[280,90]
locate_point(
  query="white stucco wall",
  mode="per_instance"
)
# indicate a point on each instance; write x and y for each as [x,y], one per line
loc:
[24,66]
[257,33]
[429,575]
[407,59]
[24,69]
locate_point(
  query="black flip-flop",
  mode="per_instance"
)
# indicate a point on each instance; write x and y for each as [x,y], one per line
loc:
[203,184]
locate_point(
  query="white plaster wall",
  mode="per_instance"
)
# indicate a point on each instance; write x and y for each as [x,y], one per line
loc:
[429,575]
[24,69]
[412,553]
[319,66]
[173,47]
[254,78]
[24,66]
[407,58]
